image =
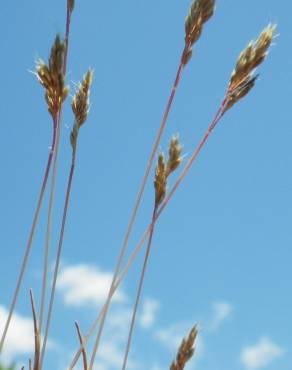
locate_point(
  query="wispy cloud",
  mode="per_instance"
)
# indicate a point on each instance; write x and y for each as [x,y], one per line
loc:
[85,285]
[20,337]
[156,367]
[149,312]
[112,346]
[171,336]
[221,312]
[111,352]
[19,341]
[261,354]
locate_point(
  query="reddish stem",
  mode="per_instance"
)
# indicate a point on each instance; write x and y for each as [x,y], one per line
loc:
[67,32]
[29,243]
[140,286]
[50,211]
[213,124]
[57,264]
[138,201]
[137,249]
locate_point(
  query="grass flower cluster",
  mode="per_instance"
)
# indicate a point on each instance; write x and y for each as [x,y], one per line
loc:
[52,76]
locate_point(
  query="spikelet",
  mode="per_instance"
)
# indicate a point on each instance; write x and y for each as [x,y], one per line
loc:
[200,12]
[163,170]
[242,78]
[185,351]
[174,155]
[160,180]
[80,101]
[51,77]
[70,5]
[80,105]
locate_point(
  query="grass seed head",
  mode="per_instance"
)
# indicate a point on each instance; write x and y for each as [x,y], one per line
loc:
[242,90]
[242,79]
[174,155]
[200,12]
[70,5]
[80,101]
[163,170]
[51,77]
[185,351]
[160,180]
[80,105]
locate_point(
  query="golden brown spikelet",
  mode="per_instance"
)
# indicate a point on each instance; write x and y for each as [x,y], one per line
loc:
[80,101]
[80,105]
[242,90]
[160,180]
[51,77]
[200,12]
[174,155]
[71,4]
[163,170]
[185,351]
[242,79]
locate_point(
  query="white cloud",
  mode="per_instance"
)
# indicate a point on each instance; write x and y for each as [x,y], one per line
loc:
[260,354]
[149,311]
[19,340]
[112,346]
[172,336]
[156,367]
[111,354]
[84,285]
[222,311]
[20,336]
[118,324]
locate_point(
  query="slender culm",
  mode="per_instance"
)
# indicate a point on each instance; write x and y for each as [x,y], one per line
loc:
[161,175]
[218,116]
[80,107]
[205,9]
[60,65]
[51,78]
[84,353]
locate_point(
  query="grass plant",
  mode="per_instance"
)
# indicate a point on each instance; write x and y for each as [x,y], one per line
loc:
[52,76]
[241,82]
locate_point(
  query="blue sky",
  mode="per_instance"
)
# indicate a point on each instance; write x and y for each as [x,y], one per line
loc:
[222,249]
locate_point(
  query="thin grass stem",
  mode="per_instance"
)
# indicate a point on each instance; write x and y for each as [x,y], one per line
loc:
[139,246]
[36,334]
[53,181]
[84,354]
[57,263]
[30,238]
[140,194]
[139,289]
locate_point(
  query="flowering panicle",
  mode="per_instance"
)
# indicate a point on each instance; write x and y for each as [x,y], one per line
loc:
[51,77]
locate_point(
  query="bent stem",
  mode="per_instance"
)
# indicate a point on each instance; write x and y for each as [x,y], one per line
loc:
[30,238]
[139,246]
[53,181]
[139,289]
[52,296]
[84,353]
[37,339]
[116,285]
[139,196]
